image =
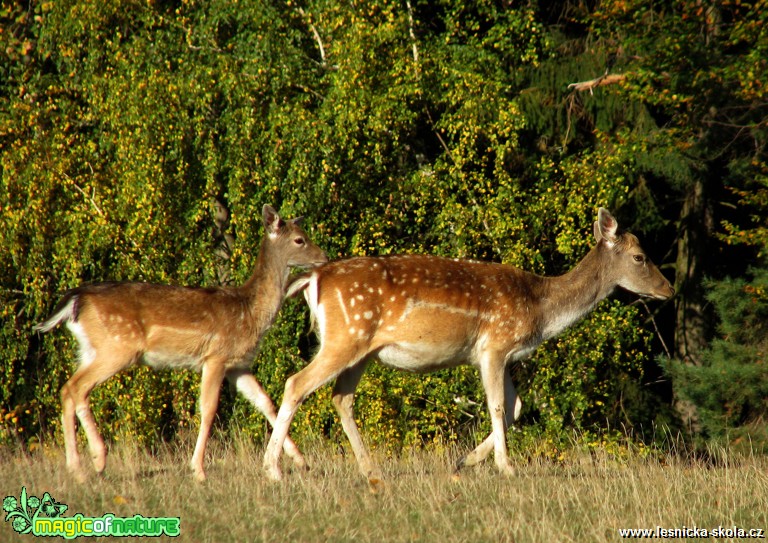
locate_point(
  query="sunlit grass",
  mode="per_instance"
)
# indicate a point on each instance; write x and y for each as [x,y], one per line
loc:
[589,497]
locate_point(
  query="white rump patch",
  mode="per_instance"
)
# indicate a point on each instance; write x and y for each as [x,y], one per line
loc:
[87,352]
[317,310]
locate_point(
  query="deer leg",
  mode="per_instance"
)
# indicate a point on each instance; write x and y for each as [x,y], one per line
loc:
[512,407]
[344,401]
[69,426]
[250,388]
[74,401]
[323,368]
[493,372]
[210,387]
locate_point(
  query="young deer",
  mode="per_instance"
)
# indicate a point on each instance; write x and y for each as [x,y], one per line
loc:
[423,313]
[213,330]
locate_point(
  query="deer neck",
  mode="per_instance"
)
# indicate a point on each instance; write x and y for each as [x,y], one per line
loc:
[567,298]
[266,286]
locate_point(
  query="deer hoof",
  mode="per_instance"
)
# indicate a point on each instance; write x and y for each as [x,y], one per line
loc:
[375,485]
[300,463]
[507,469]
[79,475]
[273,473]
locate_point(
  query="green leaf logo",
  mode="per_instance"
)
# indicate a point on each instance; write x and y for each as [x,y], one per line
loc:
[23,511]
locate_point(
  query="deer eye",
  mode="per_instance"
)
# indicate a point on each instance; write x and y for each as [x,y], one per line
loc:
[638,258]
[299,241]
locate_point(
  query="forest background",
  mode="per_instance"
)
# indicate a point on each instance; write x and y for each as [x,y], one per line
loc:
[139,140]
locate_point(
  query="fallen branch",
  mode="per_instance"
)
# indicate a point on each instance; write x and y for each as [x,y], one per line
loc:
[605,79]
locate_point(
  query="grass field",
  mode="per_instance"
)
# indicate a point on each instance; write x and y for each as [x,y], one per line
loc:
[587,498]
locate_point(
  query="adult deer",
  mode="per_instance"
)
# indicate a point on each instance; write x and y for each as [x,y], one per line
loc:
[213,330]
[422,313]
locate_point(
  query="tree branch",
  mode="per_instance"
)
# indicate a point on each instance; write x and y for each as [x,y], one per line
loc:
[316,34]
[655,326]
[605,79]
[412,34]
[91,198]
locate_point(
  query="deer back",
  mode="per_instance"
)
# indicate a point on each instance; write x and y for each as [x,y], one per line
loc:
[184,326]
[419,312]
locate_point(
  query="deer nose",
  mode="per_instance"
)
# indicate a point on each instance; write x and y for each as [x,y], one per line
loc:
[670,289]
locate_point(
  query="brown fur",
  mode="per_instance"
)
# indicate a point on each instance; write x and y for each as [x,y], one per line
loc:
[421,313]
[213,330]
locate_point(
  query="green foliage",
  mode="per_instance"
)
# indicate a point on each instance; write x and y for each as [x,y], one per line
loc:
[581,380]
[692,67]
[440,127]
[731,387]
[753,196]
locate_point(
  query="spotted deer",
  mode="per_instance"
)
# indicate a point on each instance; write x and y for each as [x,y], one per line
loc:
[423,313]
[213,330]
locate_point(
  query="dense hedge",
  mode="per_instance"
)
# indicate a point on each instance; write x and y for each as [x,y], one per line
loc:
[139,141]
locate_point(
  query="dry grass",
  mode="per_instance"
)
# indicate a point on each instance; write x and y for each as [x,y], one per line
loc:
[587,499]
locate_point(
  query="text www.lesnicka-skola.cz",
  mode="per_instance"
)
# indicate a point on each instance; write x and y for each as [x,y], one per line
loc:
[725,532]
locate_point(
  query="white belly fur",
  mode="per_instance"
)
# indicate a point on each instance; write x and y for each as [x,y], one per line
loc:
[421,358]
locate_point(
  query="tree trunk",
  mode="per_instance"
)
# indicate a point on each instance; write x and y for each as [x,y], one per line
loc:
[692,325]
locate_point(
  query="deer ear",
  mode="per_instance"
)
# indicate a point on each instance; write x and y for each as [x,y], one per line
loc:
[297,221]
[272,221]
[605,226]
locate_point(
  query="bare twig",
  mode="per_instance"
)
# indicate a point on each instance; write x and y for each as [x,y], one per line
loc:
[439,137]
[315,33]
[655,327]
[91,198]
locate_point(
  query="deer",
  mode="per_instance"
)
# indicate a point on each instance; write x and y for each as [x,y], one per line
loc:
[215,331]
[421,313]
